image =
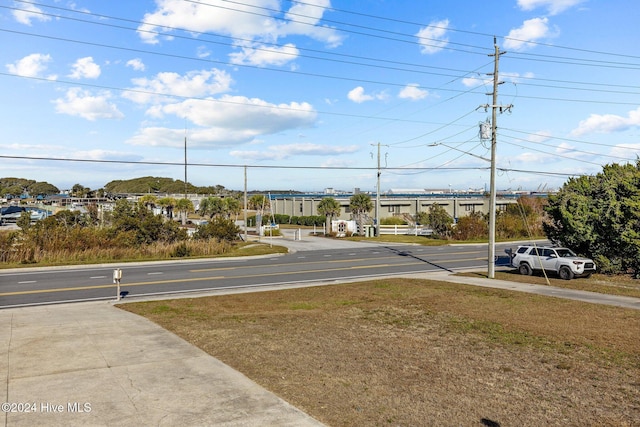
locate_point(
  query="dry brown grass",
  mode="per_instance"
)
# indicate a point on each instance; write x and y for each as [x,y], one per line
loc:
[416,352]
[619,284]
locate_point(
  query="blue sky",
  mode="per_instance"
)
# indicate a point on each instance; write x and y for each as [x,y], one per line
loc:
[303,92]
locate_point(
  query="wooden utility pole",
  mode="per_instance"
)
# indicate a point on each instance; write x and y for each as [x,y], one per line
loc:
[492,192]
[185,166]
[245,204]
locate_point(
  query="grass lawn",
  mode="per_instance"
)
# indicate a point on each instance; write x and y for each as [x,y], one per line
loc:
[407,352]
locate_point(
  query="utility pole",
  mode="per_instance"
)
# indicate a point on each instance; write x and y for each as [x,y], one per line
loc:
[245,204]
[377,209]
[492,191]
[185,166]
[378,196]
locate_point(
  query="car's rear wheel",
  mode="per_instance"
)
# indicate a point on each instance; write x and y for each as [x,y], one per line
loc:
[525,269]
[565,273]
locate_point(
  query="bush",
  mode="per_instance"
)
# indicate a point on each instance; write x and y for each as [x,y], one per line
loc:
[393,220]
[181,250]
[222,229]
[471,227]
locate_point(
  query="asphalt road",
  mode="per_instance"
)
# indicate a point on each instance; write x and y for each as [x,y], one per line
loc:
[349,262]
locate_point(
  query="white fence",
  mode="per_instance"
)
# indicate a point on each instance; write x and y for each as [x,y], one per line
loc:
[405,229]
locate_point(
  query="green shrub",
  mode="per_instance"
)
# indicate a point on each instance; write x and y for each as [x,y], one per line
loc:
[181,250]
[393,220]
[222,229]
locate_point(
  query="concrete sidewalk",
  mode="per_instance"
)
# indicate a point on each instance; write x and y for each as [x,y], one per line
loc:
[94,364]
[549,291]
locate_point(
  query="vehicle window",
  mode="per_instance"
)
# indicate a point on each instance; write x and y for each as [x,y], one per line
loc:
[522,249]
[547,252]
[565,252]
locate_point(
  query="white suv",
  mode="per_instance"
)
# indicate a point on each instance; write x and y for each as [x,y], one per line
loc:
[564,262]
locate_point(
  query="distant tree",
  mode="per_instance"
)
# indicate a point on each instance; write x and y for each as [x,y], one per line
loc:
[232,207]
[68,218]
[13,190]
[422,218]
[24,221]
[137,225]
[258,202]
[471,227]
[80,191]
[42,189]
[439,221]
[167,203]
[360,204]
[149,201]
[184,207]
[211,207]
[222,229]
[93,214]
[522,219]
[330,208]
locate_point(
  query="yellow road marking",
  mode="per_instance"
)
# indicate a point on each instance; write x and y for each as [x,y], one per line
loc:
[200,279]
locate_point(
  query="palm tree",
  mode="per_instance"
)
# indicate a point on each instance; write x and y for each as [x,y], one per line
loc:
[168,204]
[360,204]
[211,206]
[149,201]
[258,202]
[184,206]
[231,207]
[330,208]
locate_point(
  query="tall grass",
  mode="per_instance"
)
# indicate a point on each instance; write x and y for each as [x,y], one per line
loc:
[16,251]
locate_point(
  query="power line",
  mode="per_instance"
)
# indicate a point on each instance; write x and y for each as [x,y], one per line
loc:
[221,101]
[175,56]
[235,39]
[482,50]
[456,30]
[238,166]
[565,139]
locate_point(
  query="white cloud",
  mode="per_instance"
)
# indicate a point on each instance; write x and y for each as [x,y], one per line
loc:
[195,84]
[477,81]
[99,154]
[531,30]
[432,38]
[81,103]
[531,158]
[136,64]
[203,52]
[31,66]
[629,151]
[540,136]
[280,152]
[413,92]
[303,19]
[553,6]
[229,120]
[261,55]
[239,112]
[85,68]
[240,21]
[607,123]
[358,95]
[29,12]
